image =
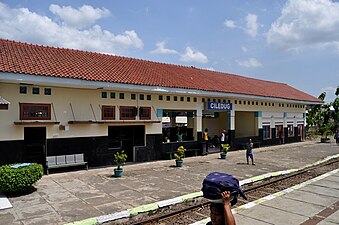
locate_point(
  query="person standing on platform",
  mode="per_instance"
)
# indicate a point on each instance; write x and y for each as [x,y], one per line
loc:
[223,139]
[205,137]
[249,151]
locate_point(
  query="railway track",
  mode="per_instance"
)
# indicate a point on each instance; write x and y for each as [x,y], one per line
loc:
[198,209]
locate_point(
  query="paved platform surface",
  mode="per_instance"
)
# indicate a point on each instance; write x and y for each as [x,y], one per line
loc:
[315,203]
[66,197]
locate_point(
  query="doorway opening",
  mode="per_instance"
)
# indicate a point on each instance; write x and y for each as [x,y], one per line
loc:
[35,145]
[125,138]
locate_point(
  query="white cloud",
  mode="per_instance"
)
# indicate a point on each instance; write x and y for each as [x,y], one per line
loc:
[82,17]
[306,23]
[229,23]
[244,49]
[330,93]
[23,25]
[209,68]
[193,56]
[250,28]
[251,25]
[161,49]
[252,62]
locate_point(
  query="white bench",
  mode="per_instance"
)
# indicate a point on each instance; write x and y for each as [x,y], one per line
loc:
[65,161]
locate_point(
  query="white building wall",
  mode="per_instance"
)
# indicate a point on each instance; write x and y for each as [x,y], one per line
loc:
[245,124]
[86,105]
[272,113]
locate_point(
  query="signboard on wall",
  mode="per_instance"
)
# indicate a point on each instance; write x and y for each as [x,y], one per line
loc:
[220,106]
[181,119]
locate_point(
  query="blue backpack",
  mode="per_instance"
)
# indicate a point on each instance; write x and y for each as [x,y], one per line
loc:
[215,183]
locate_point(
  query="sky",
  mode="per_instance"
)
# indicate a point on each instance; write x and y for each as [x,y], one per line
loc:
[289,41]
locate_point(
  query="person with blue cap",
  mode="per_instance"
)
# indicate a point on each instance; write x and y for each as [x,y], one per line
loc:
[222,191]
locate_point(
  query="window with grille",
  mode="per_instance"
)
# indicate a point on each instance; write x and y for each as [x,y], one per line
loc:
[300,129]
[128,112]
[133,96]
[142,97]
[48,91]
[23,90]
[266,132]
[31,111]
[145,113]
[290,129]
[279,131]
[108,112]
[3,106]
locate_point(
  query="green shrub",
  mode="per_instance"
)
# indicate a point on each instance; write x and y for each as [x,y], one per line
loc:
[20,179]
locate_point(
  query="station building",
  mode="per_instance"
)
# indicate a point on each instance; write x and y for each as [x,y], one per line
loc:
[56,101]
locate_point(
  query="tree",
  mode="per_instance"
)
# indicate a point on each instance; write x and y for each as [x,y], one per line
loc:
[315,117]
[326,116]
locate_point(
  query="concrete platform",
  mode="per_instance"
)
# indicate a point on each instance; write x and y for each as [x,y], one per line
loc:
[314,203]
[74,196]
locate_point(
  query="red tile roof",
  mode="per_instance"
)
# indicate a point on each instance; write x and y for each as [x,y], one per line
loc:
[23,58]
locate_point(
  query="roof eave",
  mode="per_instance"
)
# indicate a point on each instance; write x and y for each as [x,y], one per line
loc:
[29,79]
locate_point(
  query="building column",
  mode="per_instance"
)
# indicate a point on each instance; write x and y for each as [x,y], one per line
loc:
[258,116]
[304,128]
[198,127]
[231,126]
[285,127]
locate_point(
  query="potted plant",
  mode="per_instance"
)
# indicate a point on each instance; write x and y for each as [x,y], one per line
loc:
[179,156]
[119,159]
[224,150]
[325,131]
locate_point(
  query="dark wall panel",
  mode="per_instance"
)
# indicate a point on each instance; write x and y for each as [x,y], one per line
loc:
[273,133]
[95,149]
[152,151]
[231,138]
[173,146]
[11,151]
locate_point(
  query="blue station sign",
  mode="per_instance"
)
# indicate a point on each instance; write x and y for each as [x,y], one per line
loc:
[221,106]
